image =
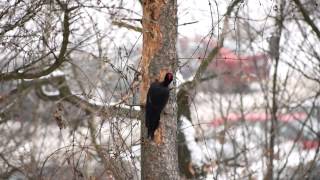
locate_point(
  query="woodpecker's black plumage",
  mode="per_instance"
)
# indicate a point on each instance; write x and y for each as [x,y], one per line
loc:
[157,98]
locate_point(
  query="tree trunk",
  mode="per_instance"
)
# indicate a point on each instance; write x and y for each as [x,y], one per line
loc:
[275,54]
[159,157]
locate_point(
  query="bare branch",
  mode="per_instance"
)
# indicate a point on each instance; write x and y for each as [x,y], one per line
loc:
[105,110]
[307,18]
[59,60]
[126,25]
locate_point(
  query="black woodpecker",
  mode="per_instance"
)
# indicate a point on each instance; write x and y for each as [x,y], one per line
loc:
[157,98]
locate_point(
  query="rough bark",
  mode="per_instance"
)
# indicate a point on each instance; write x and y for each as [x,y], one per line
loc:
[159,158]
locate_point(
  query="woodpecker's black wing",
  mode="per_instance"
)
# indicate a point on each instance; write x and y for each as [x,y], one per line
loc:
[159,95]
[157,99]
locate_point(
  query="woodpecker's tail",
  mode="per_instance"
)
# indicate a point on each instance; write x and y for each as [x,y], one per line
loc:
[151,134]
[153,124]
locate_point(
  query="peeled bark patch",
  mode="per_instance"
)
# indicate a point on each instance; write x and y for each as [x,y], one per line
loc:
[152,40]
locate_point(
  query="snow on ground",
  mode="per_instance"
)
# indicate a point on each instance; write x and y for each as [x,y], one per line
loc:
[249,153]
[246,138]
[48,141]
[197,155]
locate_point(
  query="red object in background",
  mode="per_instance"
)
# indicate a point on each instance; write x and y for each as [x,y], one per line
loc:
[235,70]
[310,144]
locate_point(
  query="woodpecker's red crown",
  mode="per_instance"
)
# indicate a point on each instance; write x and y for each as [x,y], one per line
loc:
[168,77]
